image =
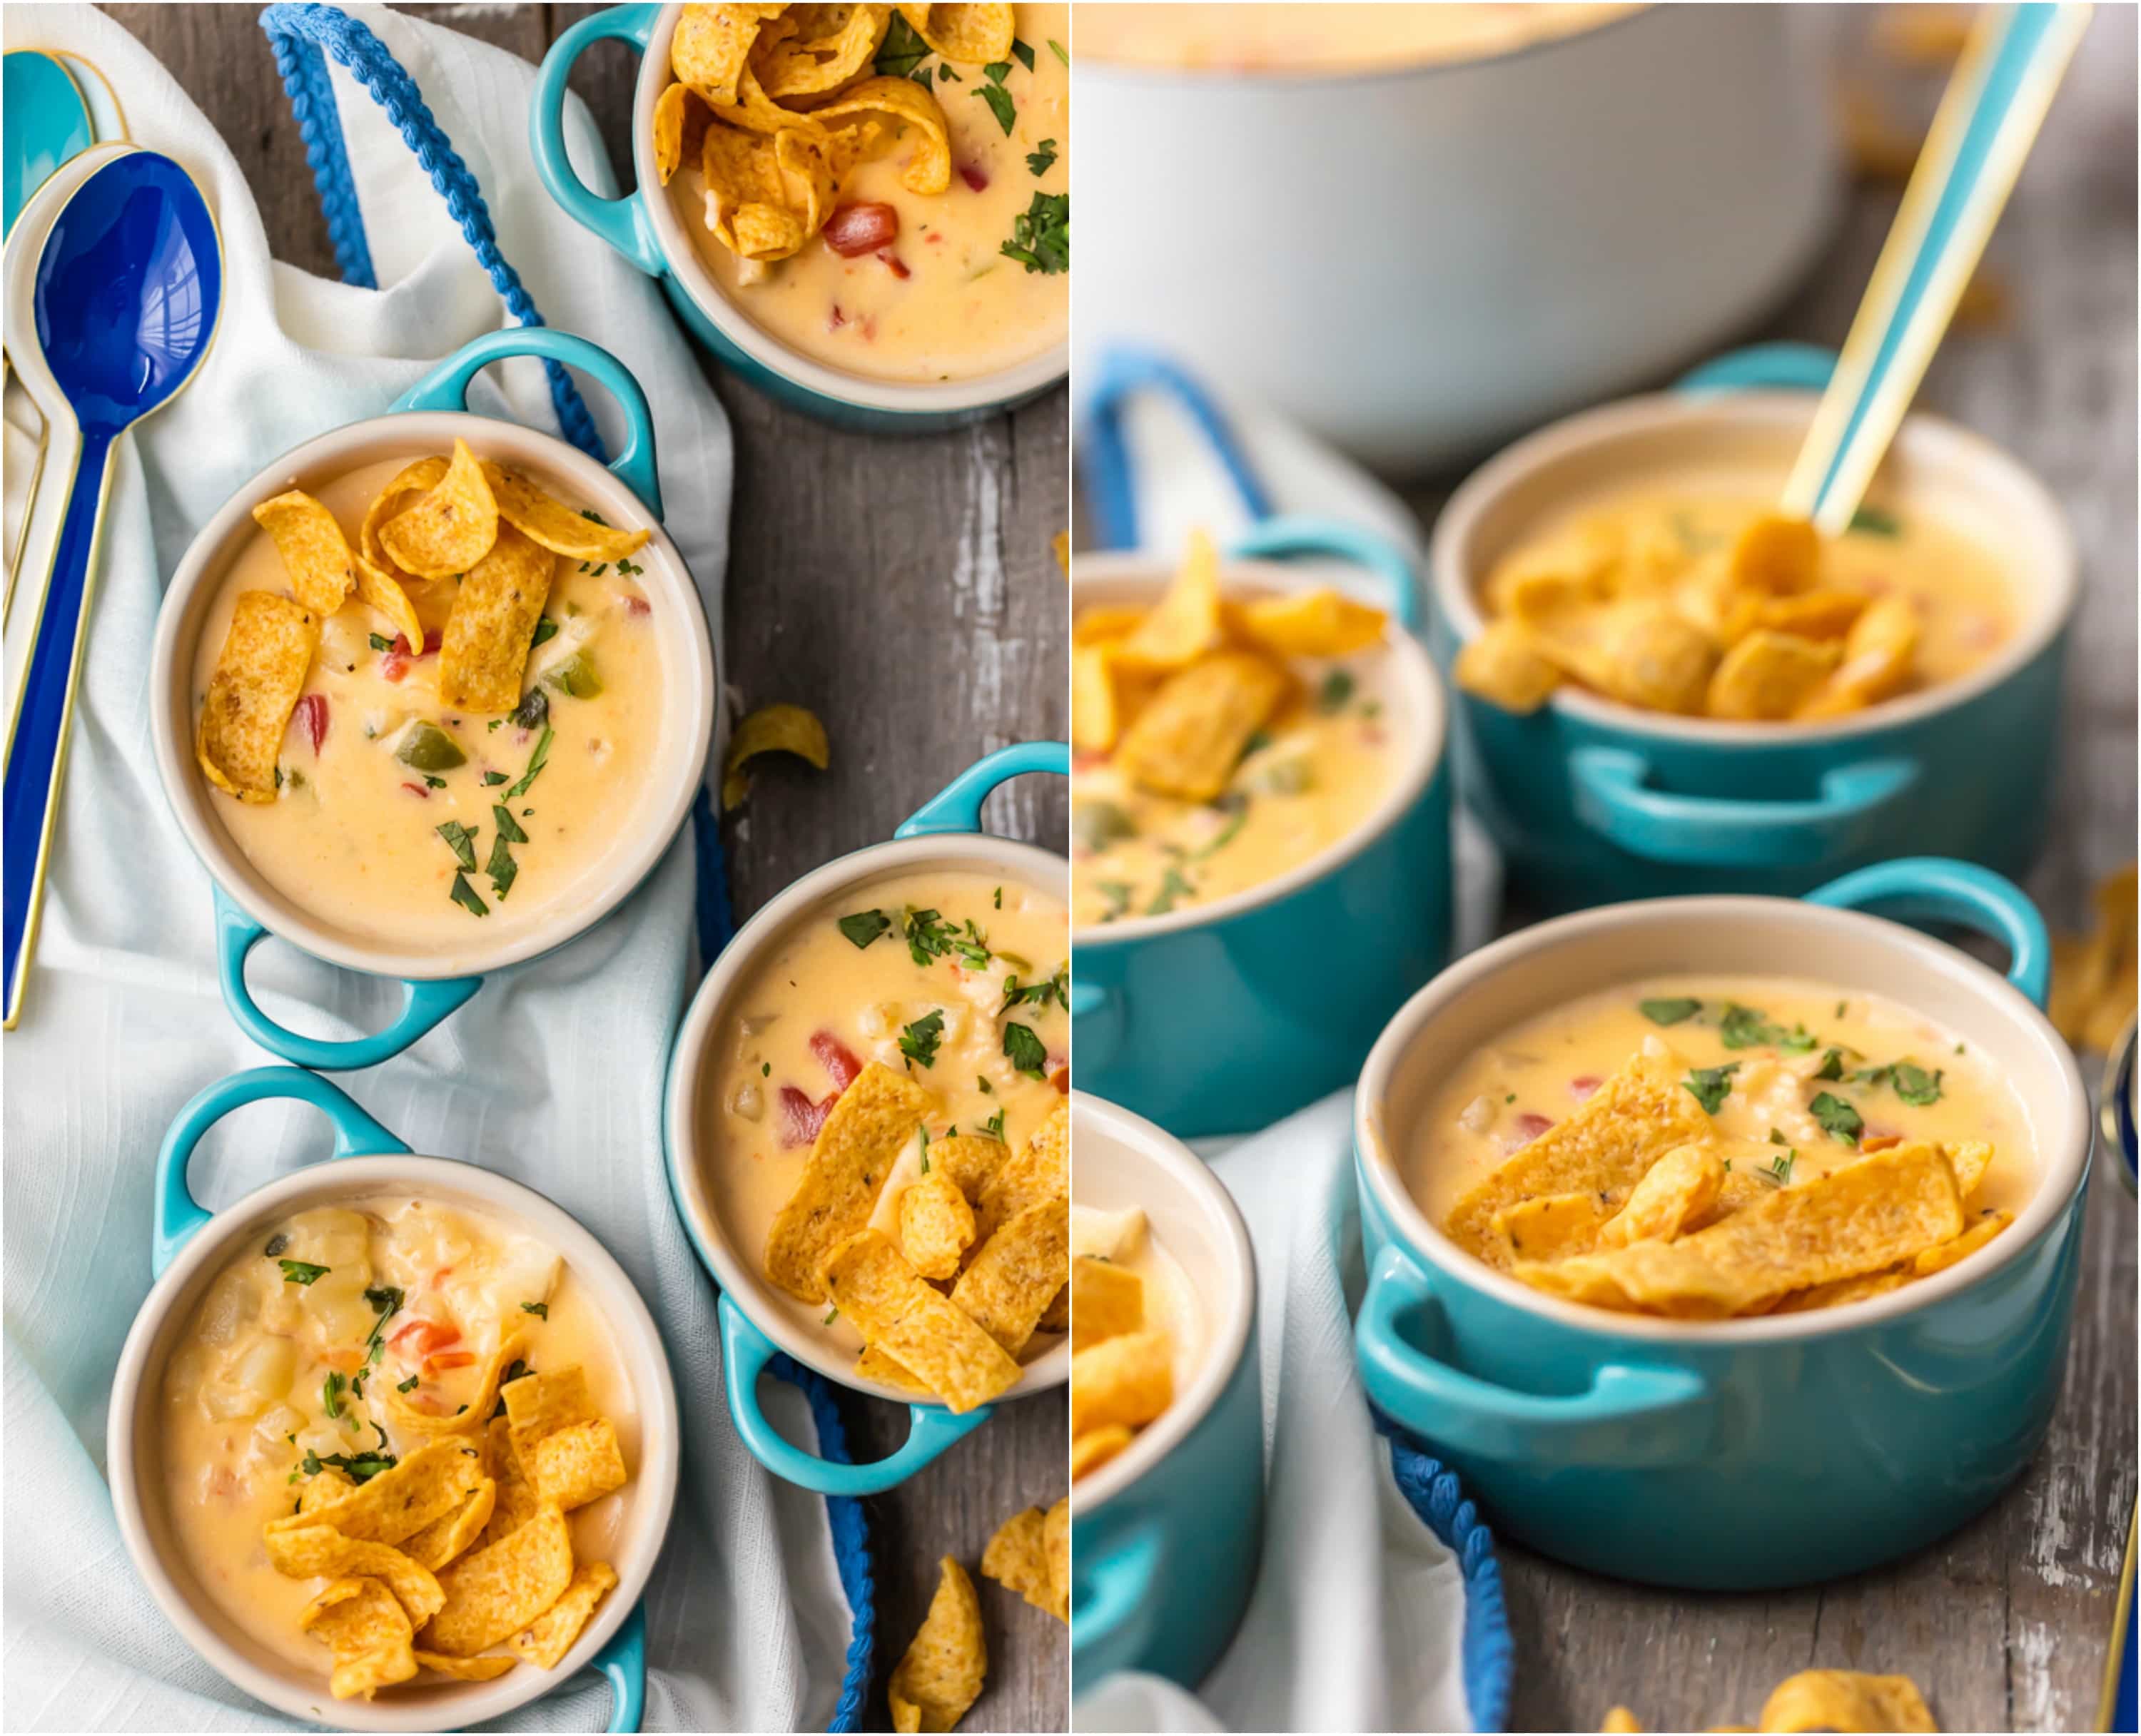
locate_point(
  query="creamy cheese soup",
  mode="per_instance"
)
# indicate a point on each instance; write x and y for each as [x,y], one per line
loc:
[1336,37]
[1306,780]
[955,980]
[295,1355]
[1700,599]
[373,765]
[920,287]
[1801,1078]
[1137,1333]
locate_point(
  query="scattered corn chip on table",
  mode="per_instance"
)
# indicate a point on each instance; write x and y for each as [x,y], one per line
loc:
[850,562]
[2005,1626]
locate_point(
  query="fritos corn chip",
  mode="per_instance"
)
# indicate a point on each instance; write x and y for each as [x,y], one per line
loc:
[1776,555]
[1549,1226]
[315,553]
[852,1154]
[485,1669]
[1845,1699]
[680,119]
[324,1490]
[1185,623]
[538,1405]
[942,1674]
[546,1640]
[1017,1560]
[1319,623]
[1190,735]
[1770,675]
[364,1625]
[1128,1379]
[711,43]
[1055,1541]
[771,729]
[799,67]
[1502,666]
[1095,1447]
[579,1463]
[1658,659]
[969,1162]
[1641,1113]
[1854,1220]
[443,1539]
[2094,977]
[542,519]
[1096,710]
[1106,1302]
[420,477]
[1621,1722]
[1675,1192]
[935,1225]
[259,675]
[1041,1171]
[426,1485]
[874,1364]
[1017,1272]
[408,1415]
[315,1551]
[880,1294]
[452,525]
[516,1502]
[1106,621]
[909,106]
[495,608]
[497,1591]
[976,33]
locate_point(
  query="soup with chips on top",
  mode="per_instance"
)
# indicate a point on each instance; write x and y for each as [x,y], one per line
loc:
[1136,1332]
[429,698]
[1699,1147]
[889,1132]
[394,1439]
[1323,39]
[1219,742]
[1710,604]
[885,189]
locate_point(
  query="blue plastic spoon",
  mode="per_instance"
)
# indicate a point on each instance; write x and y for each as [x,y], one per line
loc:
[128,287]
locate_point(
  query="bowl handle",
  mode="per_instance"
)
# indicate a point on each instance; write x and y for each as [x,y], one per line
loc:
[744,1353]
[1103,461]
[1613,798]
[1111,1625]
[1916,888]
[623,222]
[1762,367]
[179,1214]
[957,806]
[624,1660]
[423,1004]
[1629,1416]
[1280,539]
[445,387]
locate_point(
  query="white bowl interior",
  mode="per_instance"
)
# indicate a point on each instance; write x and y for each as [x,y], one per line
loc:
[1125,1161]
[798,1327]
[1417,712]
[136,1477]
[690,271]
[1746,443]
[677,762]
[1533,971]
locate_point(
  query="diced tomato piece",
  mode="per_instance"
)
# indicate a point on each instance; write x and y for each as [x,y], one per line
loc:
[1583,1084]
[1880,1142]
[1531,1125]
[449,1359]
[418,791]
[852,230]
[394,662]
[1086,762]
[346,1362]
[800,1118]
[836,319]
[419,1338]
[839,1060]
[898,266]
[973,178]
[312,718]
[1060,1079]
[635,604]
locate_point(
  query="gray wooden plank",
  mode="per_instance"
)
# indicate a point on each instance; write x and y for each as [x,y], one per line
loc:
[904,590]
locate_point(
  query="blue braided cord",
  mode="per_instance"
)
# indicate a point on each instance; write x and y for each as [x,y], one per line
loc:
[304,70]
[1489,1654]
[851,1551]
[353,45]
[716,921]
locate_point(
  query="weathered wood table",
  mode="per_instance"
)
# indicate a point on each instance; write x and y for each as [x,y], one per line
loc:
[903,589]
[2005,1625]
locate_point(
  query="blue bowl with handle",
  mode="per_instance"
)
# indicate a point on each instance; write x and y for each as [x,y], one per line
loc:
[1592,801]
[191,1247]
[1220,1018]
[644,227]
[435,980]
[760,1321]
[1744,1454]
[1166,1536]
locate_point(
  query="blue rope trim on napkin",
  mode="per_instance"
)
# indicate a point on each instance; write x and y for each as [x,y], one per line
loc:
[851,1552]
[298,34]
[1488,1652]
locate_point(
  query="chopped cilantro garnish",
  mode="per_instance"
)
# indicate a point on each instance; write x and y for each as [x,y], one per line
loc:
[509,828]
[1059,51]
[386,1300]
[546,629]
[460,841]
[1917,1086]
[541,1310]
[1777,1137]
[1118,894]
[1709,1086]
[1337,689]
[276,1244]
[466,896]
[1000,906]
[862,926]
[1025,1050]
[1832,1065]
[1172,886]
[1779,1172]
[301,1271]
[536,761]
[903,50]
[1837,1117]
[919,1041]
[1669,1010]
[331,1396]
[532,711]
[929,936]
[999,99]
[1023,52]
[494,777]
[501,867]
[831,1315]
[1040,234]
[993,1126]
[408,1385]
[1873,522]
[379,641]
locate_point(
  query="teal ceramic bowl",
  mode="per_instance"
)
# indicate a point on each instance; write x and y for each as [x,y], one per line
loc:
[759,1320]
[191,1247]
[643,226]
[1592,801]
[1165,1537]
[1221,1018]
[1745,1454]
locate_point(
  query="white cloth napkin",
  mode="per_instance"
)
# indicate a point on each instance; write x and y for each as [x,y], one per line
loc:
[1358,1618]
[553,1074]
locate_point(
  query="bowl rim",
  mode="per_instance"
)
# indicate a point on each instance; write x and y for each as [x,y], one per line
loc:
[1121,573]
[655,1482]
[739,1280]
[203,566]
[680,257]
[1452,586]
[1227,1346]
[2062,1175]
